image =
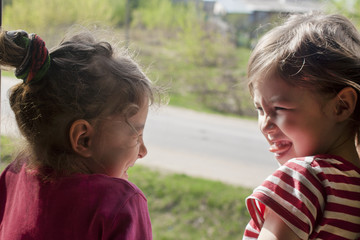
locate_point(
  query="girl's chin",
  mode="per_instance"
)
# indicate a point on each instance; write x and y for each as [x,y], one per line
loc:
[282,151]
[125,176]
[122,175]
[282,159]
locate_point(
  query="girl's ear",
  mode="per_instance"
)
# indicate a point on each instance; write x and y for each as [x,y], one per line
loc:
[346,101]
[81,134]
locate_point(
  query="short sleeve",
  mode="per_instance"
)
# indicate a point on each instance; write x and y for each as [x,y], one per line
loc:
[133,220]
[251,231]
[295,193]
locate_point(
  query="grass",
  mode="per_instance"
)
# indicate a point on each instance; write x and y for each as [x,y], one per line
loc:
[183,207]
[7,73]
[190,101]
[7,148]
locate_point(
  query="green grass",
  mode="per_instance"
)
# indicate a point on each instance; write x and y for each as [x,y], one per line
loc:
[189,101]
[182,207]
[7,73]
[7,148]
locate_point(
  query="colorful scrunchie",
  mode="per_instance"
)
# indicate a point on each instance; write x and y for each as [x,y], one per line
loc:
[37,60]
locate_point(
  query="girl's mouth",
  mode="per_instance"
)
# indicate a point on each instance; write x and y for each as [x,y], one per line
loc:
[125,175]
[279,148]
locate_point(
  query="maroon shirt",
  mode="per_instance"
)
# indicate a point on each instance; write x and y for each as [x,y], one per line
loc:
[76,207]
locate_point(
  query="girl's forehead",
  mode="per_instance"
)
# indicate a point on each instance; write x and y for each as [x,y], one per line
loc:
[264,82]
[273,89]
[277,90]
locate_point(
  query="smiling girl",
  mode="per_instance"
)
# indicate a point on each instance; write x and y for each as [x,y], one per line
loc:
[304,77]
[82,109]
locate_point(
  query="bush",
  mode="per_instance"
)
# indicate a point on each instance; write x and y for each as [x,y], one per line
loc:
[47,18]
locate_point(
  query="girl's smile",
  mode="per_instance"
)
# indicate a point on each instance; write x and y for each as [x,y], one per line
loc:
[279,147]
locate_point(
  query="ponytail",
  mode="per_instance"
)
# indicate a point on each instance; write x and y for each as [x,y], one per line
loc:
[27,53]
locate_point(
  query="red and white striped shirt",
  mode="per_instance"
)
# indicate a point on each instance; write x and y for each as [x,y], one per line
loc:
[317,197]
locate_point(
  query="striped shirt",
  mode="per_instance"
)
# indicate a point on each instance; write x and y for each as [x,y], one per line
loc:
[317,197]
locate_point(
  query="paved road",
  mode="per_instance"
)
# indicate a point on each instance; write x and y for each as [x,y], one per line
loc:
[222,148]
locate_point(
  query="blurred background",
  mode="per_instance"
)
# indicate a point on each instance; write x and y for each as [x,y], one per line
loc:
[205,151]
[197,48]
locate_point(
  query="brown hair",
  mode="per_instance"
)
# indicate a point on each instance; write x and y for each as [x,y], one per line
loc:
[313,51]
[86,80]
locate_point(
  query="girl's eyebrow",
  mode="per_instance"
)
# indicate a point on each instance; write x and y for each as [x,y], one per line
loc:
[139,127]
[279,99]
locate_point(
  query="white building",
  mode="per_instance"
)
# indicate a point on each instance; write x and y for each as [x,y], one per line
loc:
[222,7]
[253,16]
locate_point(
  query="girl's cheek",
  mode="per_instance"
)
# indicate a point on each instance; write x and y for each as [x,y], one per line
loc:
[261,122]
[285,122]
[133,142]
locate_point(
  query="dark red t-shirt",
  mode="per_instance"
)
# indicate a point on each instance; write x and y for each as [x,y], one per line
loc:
[79,207]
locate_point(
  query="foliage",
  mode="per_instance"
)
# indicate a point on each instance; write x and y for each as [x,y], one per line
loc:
[217,87]
[118,14]
[155,14]
[120,8]
[202,66]
[349,8]
[185,22]
[7,2]
[183,207]
[242,29]
[204,69]
[46,17]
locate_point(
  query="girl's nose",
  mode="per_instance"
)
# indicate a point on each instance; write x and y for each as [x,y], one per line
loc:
[142,150]
[267,125]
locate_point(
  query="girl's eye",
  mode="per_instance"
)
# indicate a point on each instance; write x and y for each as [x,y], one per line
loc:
[259,109]
[139,138]
[280,109]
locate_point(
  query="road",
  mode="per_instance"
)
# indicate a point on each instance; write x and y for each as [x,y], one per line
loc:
[222,148]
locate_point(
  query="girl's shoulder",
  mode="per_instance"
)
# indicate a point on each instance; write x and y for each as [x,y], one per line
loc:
[319,172]
[102,184]
[94,187]
[307,190]
[323,163]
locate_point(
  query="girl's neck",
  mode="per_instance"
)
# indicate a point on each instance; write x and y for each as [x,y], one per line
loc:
[348,151]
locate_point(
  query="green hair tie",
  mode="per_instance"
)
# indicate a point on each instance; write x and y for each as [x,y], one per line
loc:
[37,60]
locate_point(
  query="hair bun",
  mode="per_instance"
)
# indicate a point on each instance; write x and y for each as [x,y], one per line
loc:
[36,62]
